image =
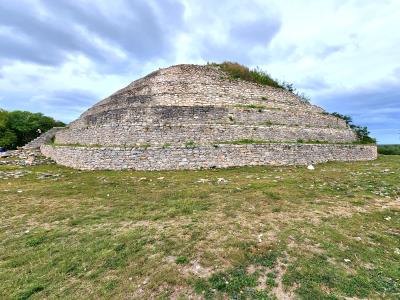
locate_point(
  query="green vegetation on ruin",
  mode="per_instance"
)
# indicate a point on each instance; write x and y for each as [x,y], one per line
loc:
[362,132]
[190,144]
[238,71]
[257,75]
[242,233]
[259,107]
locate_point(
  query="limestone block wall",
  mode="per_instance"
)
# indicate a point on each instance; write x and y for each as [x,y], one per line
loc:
[177,115]
[92,158]
[203,80]
[194,99]
[199,133]
[190,85]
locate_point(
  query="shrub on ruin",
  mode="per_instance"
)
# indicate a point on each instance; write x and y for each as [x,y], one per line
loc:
[257,75]
[362,132]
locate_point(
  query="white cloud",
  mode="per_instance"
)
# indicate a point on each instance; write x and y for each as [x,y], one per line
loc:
[362,33]
[332,50]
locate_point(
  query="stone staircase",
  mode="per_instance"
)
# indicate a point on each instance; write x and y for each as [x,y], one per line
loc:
[43,138]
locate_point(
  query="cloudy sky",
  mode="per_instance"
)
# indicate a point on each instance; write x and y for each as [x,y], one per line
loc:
[60,57]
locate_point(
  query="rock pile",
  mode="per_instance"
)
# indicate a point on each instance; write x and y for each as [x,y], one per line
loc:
[24,157]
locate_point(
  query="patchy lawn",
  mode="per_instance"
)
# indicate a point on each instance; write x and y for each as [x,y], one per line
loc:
[254,232]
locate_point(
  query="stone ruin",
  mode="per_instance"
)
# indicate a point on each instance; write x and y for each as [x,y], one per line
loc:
[23,157]
[191,117]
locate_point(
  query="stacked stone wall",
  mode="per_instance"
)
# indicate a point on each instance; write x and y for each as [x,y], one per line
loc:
[180,115]
[92,158]
[193,99]
[199,133]
[198,86]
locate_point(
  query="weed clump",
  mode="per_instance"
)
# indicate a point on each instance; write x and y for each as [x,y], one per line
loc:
[182,260]
[190,145]
[362,132]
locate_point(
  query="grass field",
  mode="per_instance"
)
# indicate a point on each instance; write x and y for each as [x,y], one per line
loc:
[243,233]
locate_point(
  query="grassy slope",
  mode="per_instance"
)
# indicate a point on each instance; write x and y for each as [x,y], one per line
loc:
[328,233]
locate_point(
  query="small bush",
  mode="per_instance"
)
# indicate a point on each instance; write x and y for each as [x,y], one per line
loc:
[35,241]
[361,131]
[30,291]
[182,260]
[238,71]
[363,134]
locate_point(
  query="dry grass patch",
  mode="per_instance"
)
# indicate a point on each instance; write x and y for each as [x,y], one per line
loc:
[261,232]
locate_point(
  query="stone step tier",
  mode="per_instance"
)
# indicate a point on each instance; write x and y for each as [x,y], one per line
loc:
[198,133]
[190,85]
[175,115]
[222,156]
[194,99]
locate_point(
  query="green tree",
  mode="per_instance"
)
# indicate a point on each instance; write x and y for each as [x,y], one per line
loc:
[17,128]
[7,137]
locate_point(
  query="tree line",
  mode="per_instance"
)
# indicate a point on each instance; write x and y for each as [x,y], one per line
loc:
[17,128]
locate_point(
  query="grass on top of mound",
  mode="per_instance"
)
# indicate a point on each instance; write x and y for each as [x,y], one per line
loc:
[238,71]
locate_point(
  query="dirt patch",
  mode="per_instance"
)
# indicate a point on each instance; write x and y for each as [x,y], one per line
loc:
[195,268]
[279,290]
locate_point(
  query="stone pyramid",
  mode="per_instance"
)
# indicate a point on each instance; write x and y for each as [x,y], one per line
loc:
[191,116]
